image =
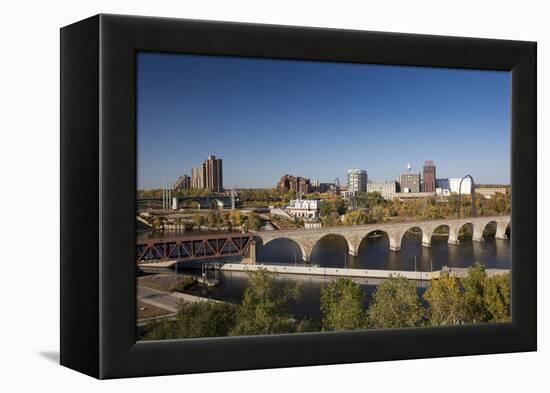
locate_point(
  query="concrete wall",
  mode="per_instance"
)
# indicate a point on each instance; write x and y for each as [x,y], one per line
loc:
[337,272]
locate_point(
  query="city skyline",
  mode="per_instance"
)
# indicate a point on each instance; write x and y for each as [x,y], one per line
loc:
[267,118]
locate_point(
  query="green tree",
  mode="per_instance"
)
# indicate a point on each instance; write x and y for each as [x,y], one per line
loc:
[201,319]
[342,305]
[497,297]
[355,217]
[253,222]
[158,222]
[333,219]
[236,217]
[213,218]
[445,302]
[395,304]
[198,220]
[307,325]
[474,294]
[369,199]
[325,208]
[265,308]
[225,220]
[336,205]
[376,213]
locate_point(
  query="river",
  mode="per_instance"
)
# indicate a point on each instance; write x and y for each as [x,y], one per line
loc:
[374,253]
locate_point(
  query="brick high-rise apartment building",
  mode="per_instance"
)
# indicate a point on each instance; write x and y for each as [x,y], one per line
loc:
[428,181]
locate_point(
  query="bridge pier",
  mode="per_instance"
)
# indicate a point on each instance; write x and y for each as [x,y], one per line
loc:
[453,238]
[477,235]
[501,234]
[250,259]
[395,241]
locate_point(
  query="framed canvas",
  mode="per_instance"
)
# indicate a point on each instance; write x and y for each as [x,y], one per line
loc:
[195,236]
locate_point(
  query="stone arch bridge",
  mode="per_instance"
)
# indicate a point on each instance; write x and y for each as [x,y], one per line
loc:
[307,238]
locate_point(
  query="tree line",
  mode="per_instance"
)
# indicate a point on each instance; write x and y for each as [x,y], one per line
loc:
[370,207]
[267,303]
[214,219]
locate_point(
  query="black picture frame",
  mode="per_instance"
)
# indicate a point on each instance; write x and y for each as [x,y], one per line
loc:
[98,191]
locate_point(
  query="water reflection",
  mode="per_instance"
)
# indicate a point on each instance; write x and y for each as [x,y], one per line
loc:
[374,253]
[233,285]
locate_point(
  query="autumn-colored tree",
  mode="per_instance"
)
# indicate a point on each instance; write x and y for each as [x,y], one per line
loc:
[213,218]
[198,220]
[395,303]
[333,219]
[253,222]
[236,217]
[496,297]
[201,319]
[342,305]
[445,302]
[474,294]
[265,308]
[355,217]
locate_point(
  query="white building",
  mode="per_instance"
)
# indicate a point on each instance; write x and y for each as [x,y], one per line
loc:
[387,189]
[454,185]
[357,180]
[304,208]
[312,224]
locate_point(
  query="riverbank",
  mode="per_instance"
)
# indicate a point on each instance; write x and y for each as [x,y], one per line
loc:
[155,303]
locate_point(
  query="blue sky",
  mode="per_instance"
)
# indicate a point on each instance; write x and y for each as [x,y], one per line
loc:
[266,117]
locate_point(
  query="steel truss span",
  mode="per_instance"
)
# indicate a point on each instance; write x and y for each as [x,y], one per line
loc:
[192,247]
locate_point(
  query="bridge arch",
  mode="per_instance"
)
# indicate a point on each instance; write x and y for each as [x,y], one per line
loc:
[305,253]
[350,246]
[216,204]
[364,240]
[489,228]
[190,204]
[412,231]
[438,230]
[456,231]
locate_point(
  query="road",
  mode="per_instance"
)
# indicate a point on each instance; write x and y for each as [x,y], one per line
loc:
[158,298]
[167,300]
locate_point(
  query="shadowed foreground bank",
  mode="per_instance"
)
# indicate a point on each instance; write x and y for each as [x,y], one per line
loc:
[395,303]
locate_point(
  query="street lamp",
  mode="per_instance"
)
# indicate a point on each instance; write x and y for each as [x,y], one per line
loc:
[413,255]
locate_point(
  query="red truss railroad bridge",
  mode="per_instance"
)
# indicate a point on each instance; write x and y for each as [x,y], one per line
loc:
[192,247]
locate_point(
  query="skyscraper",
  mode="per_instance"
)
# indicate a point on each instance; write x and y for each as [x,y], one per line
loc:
[357,180]
[213,177]
[428,182]
[197,177]
[208,175]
